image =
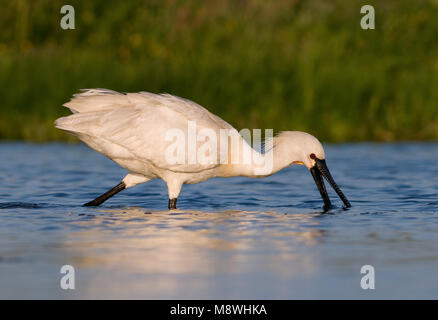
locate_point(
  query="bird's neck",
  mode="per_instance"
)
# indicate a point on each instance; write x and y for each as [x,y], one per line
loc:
[259,164]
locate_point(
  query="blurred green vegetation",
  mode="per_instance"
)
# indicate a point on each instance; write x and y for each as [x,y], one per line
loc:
[288,64]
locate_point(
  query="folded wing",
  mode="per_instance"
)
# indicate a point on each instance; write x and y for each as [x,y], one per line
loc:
[134,126]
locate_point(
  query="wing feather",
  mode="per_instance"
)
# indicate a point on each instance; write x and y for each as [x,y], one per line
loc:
[135,125]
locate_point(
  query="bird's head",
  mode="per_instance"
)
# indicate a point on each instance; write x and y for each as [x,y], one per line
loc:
[306,150]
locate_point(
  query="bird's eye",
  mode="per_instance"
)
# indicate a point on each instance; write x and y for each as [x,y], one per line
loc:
[312,156]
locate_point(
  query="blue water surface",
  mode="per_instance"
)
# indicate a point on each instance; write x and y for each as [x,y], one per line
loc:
[234,238]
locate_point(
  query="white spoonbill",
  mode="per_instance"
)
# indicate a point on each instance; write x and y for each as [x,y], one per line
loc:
[136,131]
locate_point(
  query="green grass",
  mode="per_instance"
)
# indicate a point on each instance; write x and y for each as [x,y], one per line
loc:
[286,65]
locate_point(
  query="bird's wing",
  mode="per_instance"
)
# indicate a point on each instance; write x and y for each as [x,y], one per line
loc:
[138,125]
[189,109]
[93,100]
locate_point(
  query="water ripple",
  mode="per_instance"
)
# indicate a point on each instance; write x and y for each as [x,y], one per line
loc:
[230,238]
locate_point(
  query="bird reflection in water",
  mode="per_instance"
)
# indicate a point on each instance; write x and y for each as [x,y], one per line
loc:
[158,251]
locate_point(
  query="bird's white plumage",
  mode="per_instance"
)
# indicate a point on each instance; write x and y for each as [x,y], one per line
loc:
[127,127]
[131,130]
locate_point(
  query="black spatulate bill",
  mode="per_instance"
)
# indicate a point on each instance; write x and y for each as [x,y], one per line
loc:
[320,170]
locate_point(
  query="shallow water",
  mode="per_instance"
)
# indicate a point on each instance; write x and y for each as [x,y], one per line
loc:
[235,238]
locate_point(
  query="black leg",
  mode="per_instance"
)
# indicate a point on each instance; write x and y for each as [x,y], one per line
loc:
[172,203]
[102,198]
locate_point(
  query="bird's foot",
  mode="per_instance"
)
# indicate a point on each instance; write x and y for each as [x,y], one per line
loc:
[172,203]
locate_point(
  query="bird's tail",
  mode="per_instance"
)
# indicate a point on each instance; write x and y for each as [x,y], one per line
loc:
[86,107]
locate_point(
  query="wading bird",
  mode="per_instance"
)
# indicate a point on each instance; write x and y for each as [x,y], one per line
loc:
[132,129]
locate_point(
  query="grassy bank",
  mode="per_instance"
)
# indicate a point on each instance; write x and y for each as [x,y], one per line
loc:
[288,64]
